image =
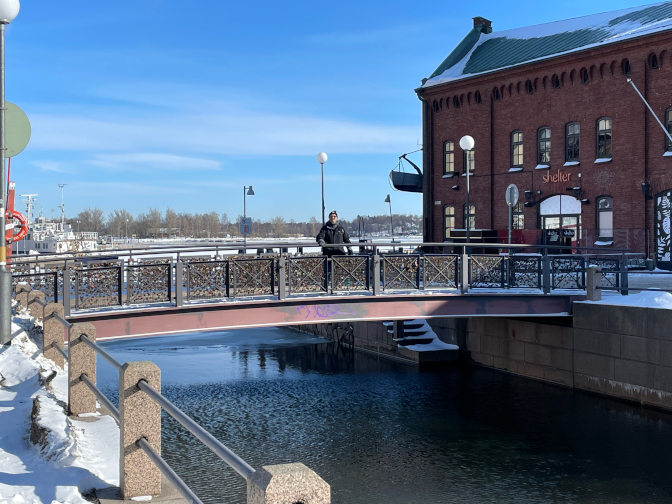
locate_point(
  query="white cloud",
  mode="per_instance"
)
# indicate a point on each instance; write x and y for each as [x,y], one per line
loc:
[218,129]
[151,160]
[52,166]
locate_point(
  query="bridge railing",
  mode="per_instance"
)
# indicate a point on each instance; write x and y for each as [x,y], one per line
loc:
[139,417]
[220,274]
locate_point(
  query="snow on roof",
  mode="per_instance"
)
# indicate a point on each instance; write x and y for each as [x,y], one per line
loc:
[508,48]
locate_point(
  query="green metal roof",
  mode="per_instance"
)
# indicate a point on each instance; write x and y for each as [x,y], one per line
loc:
[480,52]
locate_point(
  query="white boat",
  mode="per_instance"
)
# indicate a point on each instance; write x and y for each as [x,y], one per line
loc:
[54,238]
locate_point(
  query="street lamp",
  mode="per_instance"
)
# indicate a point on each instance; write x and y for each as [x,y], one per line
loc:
[467,145]
[250,192]
[322,158]
[8,11]
[126,233]
[388,200]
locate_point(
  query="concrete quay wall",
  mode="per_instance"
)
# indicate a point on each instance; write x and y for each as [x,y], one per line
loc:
[619,351]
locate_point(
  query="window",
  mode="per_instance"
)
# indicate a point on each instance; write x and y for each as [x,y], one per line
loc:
[468,160]
[625,67]
[518,216]
[528,87]
[653,60]
[456,102]
[605,218]
[585,78]
[517,149]
[572,133]
[556,82]
[495,94]
[472,215]
[668,125]
[604,138]
[544,145]
[448,220]
[448,157]
[477,97]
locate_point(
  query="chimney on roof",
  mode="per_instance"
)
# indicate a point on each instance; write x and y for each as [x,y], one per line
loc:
[484,24]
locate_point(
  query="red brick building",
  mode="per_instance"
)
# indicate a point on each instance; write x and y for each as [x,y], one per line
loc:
[551,110]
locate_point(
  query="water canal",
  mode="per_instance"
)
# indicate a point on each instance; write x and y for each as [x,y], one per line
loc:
[383,432]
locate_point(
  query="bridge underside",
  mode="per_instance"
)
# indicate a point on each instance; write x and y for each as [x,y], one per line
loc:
[130,323]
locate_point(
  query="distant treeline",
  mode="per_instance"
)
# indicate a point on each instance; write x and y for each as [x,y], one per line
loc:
[157,224]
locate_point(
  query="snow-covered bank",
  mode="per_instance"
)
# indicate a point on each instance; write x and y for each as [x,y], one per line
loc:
[71,456]
[644,299]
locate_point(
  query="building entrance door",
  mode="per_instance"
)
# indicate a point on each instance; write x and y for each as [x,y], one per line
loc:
[663,216]
[561,218]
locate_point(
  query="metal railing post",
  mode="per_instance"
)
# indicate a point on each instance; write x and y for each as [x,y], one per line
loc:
[139,417]
[53,333]
[376,274]
[179,282]
[464,273]
[282,277]
[546,273]
[82,362]
[624,276]
[35,309]
[66,292]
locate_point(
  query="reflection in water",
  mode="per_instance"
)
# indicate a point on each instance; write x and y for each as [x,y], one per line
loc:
[380,431]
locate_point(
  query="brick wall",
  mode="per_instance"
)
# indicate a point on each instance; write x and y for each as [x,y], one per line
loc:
[637,148]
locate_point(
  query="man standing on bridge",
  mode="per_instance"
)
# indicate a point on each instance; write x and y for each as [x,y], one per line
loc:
[333,233]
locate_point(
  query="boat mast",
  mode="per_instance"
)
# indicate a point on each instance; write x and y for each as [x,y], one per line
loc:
[62,207]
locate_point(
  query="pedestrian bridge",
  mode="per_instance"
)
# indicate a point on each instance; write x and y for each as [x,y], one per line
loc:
[158,291]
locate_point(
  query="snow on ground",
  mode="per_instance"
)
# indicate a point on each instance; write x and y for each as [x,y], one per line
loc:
[644,299]
[77,455]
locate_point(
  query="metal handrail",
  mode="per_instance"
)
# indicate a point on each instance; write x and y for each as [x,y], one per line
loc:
[101,397]
[101,352]
[64,322]
[233,460]
[61,351]
[168,472]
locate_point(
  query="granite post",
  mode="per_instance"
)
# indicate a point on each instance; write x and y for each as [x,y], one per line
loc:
[287,484]
[35,309]
[139,417]
[593,283]
[82,361]
[53,333]
[22,291]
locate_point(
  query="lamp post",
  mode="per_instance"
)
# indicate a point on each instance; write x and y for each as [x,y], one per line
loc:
[322,158]
[8,11]
[250,192]
[467,145]
[388,200]
[126,233]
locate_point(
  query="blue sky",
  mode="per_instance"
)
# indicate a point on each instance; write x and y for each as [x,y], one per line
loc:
[148,103]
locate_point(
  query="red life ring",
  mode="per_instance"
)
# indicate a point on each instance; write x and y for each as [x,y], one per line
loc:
[10,237]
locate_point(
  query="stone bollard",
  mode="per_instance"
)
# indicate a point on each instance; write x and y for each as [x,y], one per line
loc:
[53,333]
[35,309]
[287,484]
[22,291]
[82,361]
[593,283]
[139,417]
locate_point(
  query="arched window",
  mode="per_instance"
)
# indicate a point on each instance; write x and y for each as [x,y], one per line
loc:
[528,87]
[517,149]
[518,216]
[456,102]
[605,218]
[625,67]
[572,136]
[653,60]
[585,77]
[556,82]
[495,94]
[668,125]
[472,215]
[544,145]
[604,138]
[436,106]
[448,157]
[448,220]
[477,97]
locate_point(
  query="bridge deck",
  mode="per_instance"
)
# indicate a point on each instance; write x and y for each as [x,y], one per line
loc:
[139,322]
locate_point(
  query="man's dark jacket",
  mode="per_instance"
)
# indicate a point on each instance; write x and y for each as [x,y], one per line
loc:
[333,234]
